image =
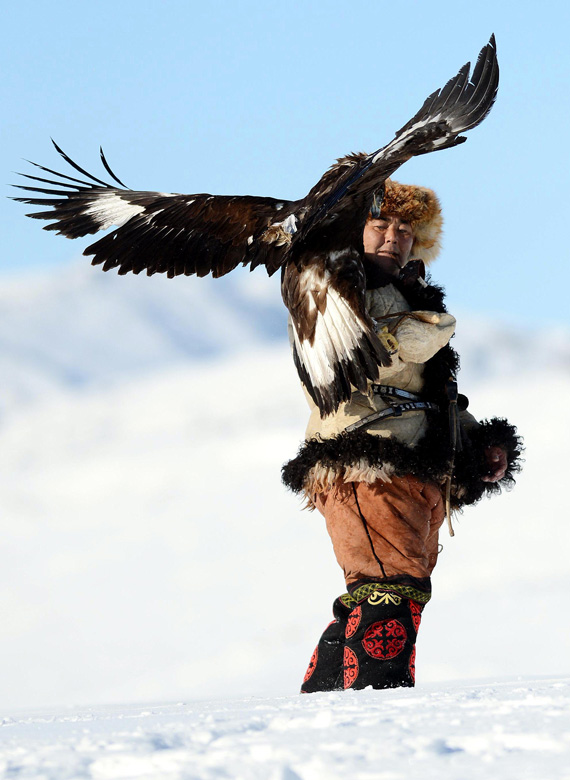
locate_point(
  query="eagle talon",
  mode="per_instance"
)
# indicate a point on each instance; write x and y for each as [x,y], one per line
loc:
[388,340]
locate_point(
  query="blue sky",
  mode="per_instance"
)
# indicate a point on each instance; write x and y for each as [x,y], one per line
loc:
[258,98]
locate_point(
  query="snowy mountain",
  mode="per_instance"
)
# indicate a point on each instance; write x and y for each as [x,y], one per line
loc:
[496,349]
[78,328]
[150,552]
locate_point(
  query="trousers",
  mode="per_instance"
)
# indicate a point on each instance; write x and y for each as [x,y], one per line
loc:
[385,538]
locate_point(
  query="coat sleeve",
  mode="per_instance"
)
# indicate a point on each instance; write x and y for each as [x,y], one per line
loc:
[471,462]
[421,334]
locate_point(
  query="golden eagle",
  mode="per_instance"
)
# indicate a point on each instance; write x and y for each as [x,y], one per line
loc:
[315,241]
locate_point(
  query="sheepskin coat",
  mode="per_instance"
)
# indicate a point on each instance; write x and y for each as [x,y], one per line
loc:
[418,442]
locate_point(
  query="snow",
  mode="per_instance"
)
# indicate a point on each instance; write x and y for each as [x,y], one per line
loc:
[78,328]
[518,729]
[150,553]
[146,536]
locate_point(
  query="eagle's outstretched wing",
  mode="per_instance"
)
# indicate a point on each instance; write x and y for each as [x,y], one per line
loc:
[460,105]
[162,232]
[317,241]
[334,343]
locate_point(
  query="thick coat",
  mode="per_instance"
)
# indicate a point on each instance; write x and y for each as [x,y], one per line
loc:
[418,442]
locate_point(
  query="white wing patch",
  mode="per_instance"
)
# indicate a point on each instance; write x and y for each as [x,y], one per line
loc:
[337,330]
[110,209]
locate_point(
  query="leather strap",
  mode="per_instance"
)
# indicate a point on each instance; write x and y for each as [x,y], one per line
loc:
[395,392]
[393,411]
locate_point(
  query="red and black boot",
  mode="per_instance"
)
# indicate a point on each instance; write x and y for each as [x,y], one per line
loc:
[380,641]
[325,672]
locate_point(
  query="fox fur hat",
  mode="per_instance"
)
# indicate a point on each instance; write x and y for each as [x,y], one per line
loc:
[421,208]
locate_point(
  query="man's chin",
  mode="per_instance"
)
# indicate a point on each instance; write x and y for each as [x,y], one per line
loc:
[390,258]
[390,264]
[377,270]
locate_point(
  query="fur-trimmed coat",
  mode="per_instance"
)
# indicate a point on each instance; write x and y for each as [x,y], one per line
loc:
[418,442]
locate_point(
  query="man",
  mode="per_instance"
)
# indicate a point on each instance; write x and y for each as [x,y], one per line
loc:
[383,467]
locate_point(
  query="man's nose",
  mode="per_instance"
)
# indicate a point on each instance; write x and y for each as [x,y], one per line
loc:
[391,235]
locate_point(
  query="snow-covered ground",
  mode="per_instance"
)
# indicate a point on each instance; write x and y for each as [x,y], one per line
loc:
[501,730]
[150,553]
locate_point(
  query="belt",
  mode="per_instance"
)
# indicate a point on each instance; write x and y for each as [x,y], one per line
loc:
[395,392]
[397,410]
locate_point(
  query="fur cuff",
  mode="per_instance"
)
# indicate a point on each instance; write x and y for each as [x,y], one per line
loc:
[471,464]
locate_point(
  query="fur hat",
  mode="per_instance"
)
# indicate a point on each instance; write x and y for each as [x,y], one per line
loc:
[421,208]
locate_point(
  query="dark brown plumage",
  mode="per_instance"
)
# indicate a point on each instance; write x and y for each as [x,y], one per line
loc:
[316,240]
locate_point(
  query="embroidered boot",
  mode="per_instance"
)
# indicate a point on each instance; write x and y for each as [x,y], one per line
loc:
[325,672]
[380,639]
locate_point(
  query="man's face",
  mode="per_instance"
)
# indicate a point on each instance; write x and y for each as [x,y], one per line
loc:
[388,243]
